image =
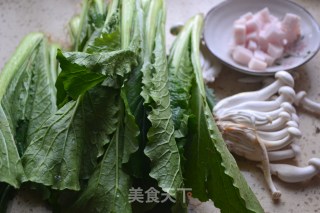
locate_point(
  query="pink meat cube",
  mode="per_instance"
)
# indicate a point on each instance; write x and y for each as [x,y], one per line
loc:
[256,64]
[252,25]
[247,16]
[275,51]
[269,60]
[242,55]
[291,26]
[264,15]
[252,37]
[239,31]
[258,54]
[261,38]
[263,41]
[274,18]
[274,34]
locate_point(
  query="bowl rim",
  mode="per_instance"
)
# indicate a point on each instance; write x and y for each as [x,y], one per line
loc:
[248,71]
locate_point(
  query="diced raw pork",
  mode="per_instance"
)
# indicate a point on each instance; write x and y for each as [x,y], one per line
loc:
[252,37]
[275,51]
[274,34]
[239,33]
[264,15]
[256,64]
[242,55]
[252,25]
[291,27]
[247,16]
[264,57]
[261,38]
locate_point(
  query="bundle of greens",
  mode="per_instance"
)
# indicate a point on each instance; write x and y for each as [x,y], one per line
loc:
[118,116]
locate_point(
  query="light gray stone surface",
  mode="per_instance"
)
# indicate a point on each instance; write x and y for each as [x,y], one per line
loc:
[17,18]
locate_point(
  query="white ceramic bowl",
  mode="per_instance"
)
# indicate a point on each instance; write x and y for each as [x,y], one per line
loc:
[218,32]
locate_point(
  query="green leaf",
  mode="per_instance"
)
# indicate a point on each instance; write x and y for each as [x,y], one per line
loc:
[97,13]
[180,81]
[53,62]
[53,157]
[84,28]
[83,71]
[106,42]
[10,165]
[106,36]
[80,28]
[108,187]
[161,147]
[211,99]
[74,79]
[100,116]
[27,97]
[210,170]
[67,146]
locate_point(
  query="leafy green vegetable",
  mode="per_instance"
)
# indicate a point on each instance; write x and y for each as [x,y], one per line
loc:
[51,158]
[83,27]
[210,170]
[181,76]
[69,131]
[79,27]
[106,36]
[53,62]
[107,42]
[108,188]
[83,71]
[127,117]
[27,97]
[211,99]
[161,147]
[70,142]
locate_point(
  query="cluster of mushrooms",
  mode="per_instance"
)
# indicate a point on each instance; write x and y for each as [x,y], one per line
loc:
[261,126]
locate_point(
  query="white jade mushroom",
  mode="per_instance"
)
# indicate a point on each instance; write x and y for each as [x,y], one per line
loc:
[293,174]
[306,103]
[283,79]
[262,125]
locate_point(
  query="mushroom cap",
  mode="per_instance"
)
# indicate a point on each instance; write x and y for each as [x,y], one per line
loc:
[285,115]
[315,162]
[292,124]
[299,97]
[294,131]
[287,92]
[287,107]
[285,77]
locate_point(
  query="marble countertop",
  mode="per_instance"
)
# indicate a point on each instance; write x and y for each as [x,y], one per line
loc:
[17,18]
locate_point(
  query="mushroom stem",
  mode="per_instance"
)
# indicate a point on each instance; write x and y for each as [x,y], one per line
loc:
[275,135]
[246,116]
[306,103]
[279,144]
[287,94]
[284,154]
[294,174]
[276,124]
[283,79]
